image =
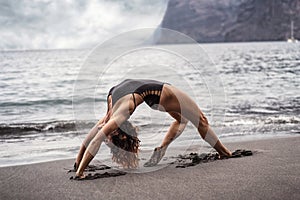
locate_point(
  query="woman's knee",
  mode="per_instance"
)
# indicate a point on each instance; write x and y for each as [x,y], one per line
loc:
[203,126]
[183,121]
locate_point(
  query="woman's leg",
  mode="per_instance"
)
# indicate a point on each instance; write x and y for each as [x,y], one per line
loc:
[174,131]
[180,102]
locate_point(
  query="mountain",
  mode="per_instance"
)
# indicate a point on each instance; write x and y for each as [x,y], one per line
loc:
[232,20]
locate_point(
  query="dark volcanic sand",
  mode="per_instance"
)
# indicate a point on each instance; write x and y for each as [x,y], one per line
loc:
[271,173]
[96,175]
[182,161]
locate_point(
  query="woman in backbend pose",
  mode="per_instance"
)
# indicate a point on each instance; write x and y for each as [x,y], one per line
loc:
[121,136]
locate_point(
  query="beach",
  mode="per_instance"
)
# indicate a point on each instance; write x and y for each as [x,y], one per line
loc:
[40,124]
[60,66]
[272,172]
[47,120]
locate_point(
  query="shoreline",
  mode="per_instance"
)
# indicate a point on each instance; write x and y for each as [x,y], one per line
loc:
[225,140]
[271,173]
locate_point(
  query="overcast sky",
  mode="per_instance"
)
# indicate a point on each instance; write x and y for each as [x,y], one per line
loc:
[51,24]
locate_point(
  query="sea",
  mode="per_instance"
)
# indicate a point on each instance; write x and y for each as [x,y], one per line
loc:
[248,91]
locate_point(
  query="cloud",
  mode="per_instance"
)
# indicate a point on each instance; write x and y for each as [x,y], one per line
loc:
[50,24]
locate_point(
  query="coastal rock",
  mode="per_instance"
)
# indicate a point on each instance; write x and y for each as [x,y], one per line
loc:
[232,20]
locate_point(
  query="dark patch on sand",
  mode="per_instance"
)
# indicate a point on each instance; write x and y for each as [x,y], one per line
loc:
[91,168]
[97,175]
[193,159]
[182,161]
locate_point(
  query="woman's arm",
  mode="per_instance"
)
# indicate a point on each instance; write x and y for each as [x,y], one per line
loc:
[118,117]
[112,122]
[92,133]
[94,146]
[85,143]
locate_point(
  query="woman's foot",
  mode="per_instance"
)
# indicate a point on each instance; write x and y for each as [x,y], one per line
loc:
[222,150]
[225,155]
[157,155]
[79,176]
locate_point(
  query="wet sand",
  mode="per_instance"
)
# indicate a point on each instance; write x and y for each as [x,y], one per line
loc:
[272,172]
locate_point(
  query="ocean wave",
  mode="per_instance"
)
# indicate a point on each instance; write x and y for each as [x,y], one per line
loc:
[54,126]
[262,120]
[36,102]
[282,120]
[67,126]
[58,126]
[267,107]
[50,102]
[234,134]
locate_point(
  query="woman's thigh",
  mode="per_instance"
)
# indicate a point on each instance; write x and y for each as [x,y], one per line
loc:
[175,100]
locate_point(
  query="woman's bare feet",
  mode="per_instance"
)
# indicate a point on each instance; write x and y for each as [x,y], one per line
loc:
[79,176]
[222,150]
[157,155]
[225,155]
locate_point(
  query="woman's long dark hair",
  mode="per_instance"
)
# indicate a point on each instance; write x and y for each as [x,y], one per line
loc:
[126,146]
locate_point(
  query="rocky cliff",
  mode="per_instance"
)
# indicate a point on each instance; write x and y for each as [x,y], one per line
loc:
[232,20]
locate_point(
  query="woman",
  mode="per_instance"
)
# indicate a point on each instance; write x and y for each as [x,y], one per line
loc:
[122,101]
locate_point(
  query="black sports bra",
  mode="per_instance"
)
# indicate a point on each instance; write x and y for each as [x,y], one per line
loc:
[150,90]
